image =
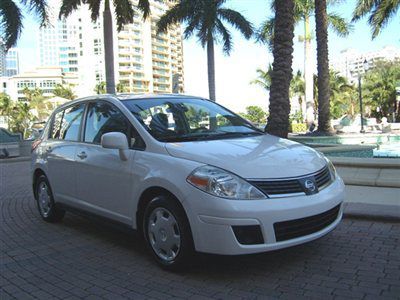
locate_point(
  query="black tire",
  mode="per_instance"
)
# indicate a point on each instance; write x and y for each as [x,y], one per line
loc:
[185,254]
[49,211]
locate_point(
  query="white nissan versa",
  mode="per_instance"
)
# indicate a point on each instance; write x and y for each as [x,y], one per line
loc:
[187,173]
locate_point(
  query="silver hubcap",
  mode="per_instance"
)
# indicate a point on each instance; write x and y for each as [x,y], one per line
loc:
[163,233]
[44,199]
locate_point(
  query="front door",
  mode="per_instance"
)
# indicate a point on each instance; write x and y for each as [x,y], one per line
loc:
[104,181]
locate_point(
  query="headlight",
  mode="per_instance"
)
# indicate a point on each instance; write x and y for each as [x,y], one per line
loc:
[221,183]
[331,168]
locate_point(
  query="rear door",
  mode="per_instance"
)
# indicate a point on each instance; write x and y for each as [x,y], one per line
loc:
[60,149]
[104,181]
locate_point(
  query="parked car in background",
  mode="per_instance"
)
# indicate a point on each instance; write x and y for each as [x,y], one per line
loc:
[187,173]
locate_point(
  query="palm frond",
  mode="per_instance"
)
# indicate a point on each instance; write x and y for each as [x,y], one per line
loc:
[123,13]
[339,25]
[11,22]
[68,6]
[94,7]
[382,14]
[40,8]
[237,20]
[176,14]
[266,32]
[363,7]
[144,6]
[226,37]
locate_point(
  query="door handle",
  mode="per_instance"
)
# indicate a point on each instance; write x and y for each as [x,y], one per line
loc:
[82,155]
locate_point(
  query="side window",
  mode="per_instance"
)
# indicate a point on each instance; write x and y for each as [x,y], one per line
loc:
[54,133]
[102,117]
[71,123]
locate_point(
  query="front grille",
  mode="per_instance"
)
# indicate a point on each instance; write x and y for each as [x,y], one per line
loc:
[322,177]
[292,186]
[300,227]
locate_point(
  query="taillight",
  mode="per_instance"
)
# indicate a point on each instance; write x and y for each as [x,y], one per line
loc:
[35,144]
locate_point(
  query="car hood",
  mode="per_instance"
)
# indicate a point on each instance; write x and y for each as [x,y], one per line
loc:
[263,156]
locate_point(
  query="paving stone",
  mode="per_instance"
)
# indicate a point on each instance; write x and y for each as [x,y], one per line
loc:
[82,258]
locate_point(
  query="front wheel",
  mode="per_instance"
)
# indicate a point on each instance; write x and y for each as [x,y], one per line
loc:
[167,233]
[45,201]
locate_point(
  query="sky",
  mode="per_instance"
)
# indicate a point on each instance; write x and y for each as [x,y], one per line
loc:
[235,72]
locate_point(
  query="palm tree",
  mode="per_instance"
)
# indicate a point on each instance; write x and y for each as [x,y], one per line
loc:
[124,15]
[121,88]
[100,88]
[281,75]
[205,17]
[11,18]
[64,92]
[297,88]
[321,24]
[263,79]
[344,96]
[303,11]
[379,11]
[6,106]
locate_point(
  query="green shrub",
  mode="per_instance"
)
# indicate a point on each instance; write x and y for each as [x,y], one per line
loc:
[298,127]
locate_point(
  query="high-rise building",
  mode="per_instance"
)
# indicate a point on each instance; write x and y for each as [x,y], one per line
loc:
[12,62]
[2,58]
[350,63]
[58,43]
[144,61]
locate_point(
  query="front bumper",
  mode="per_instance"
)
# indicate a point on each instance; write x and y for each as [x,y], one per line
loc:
[211,219]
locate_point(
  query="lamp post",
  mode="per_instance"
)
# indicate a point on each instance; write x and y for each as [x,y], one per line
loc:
[365,65]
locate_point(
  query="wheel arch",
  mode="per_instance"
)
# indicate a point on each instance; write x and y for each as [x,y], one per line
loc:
[147,195]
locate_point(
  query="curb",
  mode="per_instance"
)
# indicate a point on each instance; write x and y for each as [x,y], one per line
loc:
[373,212]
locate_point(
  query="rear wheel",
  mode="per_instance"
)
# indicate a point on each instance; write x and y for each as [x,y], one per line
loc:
[167,233]
[45,201]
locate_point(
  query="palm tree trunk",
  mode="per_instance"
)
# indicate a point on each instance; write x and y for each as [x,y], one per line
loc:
[308,73]
[279,103]
[211,68]
[108,48]
[323,67]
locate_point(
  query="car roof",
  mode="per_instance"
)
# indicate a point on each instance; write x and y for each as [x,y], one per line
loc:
[129,96]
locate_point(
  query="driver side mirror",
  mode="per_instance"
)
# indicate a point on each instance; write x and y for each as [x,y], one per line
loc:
[116,140]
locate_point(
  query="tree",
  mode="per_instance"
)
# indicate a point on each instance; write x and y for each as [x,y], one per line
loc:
[64,92]
[263,79]
[11,18]
[21,118]
[321,24]
[100,88]
[124,15]
[303,11]
[37,102]
[255,114]
[379,89]
[380,12]
[205,17]
[121,88]
[344,96]
[281,75]
[297,88]
[6,106]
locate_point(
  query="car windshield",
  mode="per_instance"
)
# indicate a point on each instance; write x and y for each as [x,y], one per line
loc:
[188,119]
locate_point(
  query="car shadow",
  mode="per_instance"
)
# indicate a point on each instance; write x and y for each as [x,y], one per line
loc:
[212,266]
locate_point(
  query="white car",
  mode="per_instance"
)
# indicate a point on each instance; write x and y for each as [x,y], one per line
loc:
[144,161]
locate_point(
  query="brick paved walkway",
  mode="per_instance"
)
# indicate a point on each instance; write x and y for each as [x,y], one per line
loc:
[81,258]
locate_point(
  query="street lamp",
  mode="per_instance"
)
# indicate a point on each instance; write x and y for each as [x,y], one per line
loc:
[365,66]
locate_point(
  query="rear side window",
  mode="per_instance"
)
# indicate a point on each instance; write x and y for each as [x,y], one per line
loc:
[102,118]
[66,125]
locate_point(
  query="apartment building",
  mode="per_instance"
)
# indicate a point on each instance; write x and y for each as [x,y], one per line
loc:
[43,78]
[350,63]
[144,61]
